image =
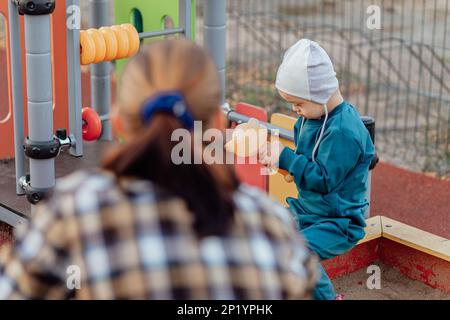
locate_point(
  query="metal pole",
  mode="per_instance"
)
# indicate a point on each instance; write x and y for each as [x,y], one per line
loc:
[185,17]
[74,76]
[17,94]
[101,72]
[369,123]
[40,96]
[152,34]
[281,132]
[214,32]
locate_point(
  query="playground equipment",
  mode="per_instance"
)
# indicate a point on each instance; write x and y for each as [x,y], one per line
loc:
[247,139]
[98,46]
[167,17]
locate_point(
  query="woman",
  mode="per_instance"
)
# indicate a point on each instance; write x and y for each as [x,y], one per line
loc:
[143,227]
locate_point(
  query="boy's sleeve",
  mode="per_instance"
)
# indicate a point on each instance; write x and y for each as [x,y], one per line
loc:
[337,155]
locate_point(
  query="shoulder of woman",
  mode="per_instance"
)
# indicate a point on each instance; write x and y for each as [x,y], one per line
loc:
[84,180]
[251,199]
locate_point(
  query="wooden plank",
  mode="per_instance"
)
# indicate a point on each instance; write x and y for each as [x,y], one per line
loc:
[279,189]
[373,229]
[416,238]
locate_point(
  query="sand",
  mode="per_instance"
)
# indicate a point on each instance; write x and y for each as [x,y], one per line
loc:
[394,286]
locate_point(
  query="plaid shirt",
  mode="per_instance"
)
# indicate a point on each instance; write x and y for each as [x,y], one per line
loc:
[127,239]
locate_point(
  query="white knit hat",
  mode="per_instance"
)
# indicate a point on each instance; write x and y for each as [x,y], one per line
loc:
[307,72]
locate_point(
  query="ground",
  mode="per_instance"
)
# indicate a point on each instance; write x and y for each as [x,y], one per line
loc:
[394,286]
[5,233]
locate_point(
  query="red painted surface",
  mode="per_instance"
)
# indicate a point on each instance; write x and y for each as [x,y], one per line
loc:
[60,81]
[412,263]
[416,265]
[359,257]
[249,172]
[6,120]
[412,198]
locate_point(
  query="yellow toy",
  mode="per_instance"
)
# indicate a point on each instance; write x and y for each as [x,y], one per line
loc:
[247,139]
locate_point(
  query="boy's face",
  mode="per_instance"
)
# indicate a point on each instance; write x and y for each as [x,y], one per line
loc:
[304,108]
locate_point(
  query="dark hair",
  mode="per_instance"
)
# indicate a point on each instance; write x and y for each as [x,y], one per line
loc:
[206,189]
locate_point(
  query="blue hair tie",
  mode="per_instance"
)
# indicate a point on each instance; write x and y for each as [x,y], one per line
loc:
[171,102]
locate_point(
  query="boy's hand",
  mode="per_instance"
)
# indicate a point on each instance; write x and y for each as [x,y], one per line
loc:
[269,154]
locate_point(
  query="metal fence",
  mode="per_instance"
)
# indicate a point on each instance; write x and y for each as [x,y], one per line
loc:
[399,74]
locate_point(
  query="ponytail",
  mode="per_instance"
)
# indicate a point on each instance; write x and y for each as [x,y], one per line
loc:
[206,189]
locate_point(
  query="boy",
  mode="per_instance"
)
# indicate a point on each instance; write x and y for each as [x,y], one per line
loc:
[330,163]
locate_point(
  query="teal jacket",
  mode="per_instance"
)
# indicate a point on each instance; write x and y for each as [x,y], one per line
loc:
[335,184]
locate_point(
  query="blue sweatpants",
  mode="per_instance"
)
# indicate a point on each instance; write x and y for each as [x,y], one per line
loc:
[328,237]
[328,240]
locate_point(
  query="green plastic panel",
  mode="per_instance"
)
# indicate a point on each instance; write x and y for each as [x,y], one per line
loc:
[147,16]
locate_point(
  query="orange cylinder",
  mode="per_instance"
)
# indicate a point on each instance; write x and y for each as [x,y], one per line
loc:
[87,48]
[123,45]
[99,43]
[133,38]
[111,43]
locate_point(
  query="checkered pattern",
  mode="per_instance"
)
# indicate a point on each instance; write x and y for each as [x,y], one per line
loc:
[132,240]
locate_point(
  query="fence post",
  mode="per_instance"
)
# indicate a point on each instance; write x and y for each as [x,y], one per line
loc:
[369,123]
[214,27]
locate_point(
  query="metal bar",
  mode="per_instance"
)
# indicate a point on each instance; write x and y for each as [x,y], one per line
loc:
[214,28]
[185,17]
[430,87]
[74,77]
[441,87]
[400,63]
[283,133]
[166,32]
[105,117]
[11,217]
[418,102]
[17,94]
[410,61]
[40,96]
[101,72]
